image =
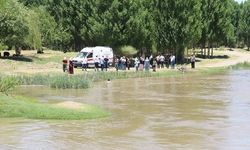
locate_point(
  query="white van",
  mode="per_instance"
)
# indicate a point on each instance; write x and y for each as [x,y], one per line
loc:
[91,53]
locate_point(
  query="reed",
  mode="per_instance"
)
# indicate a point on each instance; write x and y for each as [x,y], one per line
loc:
[7,83]
[60,81]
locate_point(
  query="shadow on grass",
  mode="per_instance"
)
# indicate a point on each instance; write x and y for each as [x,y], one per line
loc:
[214,57]
[18,58]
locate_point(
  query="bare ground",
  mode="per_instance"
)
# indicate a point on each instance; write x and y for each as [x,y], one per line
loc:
[234,57]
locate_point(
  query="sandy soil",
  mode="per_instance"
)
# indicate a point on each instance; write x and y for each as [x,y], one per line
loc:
[234,57]
[71,105]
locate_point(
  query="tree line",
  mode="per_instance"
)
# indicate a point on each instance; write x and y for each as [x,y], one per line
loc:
[166,26]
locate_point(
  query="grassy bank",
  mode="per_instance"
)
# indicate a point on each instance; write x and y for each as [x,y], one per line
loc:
[20,107]
[245,65]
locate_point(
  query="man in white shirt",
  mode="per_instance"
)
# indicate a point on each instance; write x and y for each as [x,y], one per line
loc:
[84,63]
[96,61]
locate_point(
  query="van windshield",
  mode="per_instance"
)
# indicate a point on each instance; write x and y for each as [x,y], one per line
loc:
[82,54]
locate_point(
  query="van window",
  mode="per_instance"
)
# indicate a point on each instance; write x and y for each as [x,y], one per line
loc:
[90,55]
[82,54]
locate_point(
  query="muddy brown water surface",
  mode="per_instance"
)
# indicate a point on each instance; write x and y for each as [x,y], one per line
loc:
[209,112]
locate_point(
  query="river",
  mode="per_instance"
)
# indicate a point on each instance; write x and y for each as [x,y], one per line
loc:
[206,112]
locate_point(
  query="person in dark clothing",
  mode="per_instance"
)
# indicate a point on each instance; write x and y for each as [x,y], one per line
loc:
[192,60]
[71,67]
[65,64]
[106,63]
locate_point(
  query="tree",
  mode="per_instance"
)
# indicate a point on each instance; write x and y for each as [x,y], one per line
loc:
[216,23]
[18,26]
[177,24]
[245,23]
[235,18]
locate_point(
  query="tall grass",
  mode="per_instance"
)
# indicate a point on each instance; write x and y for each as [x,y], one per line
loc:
[60,81]
[64,81]
[22,107]
[7,83]
[82,81]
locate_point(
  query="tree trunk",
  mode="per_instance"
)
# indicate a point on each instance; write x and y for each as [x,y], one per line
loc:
[17,51]
[180,54]
[248,43]
[208,51]
[205,53]
[212,52]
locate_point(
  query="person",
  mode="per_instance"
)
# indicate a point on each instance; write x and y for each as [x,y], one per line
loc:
[65,64]
[123,61]
[154,65]
[102,62]
[71,66]
[137,62]
[158,61]
[106,60]
[172,61]
[192,60]
[96,61]
[128,63]
[141,65]
[162,59]
[117,63]
[84,63]
[146,64]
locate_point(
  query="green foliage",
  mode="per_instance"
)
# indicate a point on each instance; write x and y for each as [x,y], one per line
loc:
[2,46]
[128,50]
[216,22]
[30,109]
[162,25]
[245,23]
[18,26]
[177,24]
[7,83]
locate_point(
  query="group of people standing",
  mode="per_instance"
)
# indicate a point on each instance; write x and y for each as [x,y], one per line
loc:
[123,63]
[144,63]
[101,62]
[168,60]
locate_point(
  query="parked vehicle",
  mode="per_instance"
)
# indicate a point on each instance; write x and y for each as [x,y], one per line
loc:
[91,53]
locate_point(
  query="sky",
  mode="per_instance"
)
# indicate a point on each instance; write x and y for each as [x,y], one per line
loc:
[239,1]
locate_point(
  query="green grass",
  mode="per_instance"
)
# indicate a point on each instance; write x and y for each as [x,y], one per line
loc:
[244,65]
[20,107]
[212,71]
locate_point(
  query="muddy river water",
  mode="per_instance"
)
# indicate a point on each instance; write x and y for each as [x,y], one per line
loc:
[207,112]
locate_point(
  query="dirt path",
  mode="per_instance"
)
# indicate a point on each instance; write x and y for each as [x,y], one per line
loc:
[234,57]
